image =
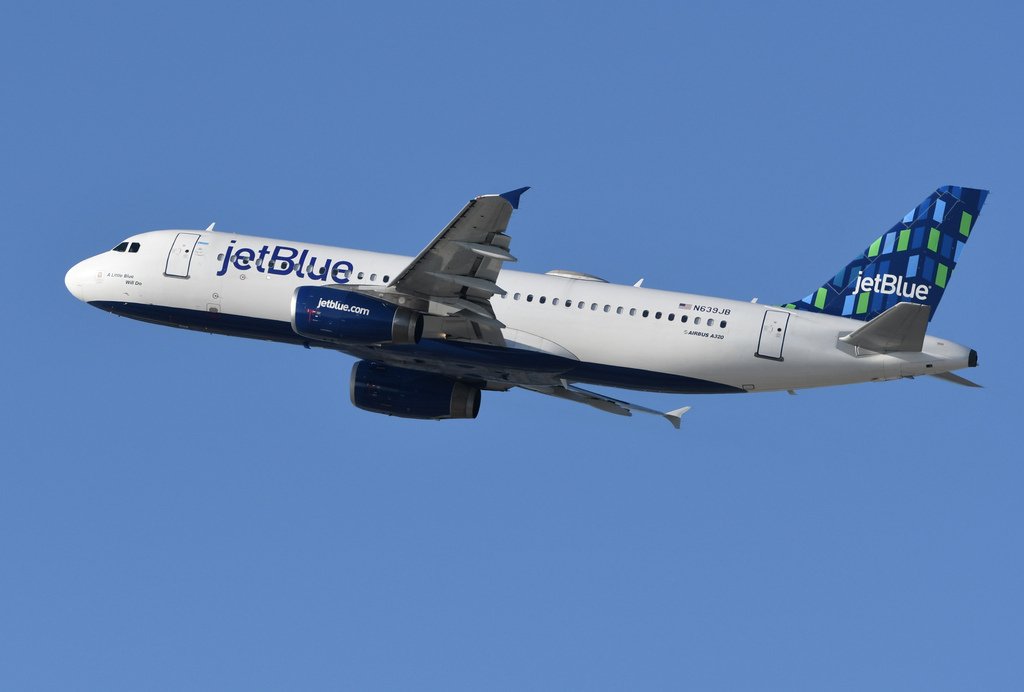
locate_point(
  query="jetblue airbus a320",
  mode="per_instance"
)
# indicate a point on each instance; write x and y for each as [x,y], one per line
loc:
[433,331]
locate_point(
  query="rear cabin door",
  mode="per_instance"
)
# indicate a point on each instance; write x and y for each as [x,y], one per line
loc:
[180,257]
[773,334]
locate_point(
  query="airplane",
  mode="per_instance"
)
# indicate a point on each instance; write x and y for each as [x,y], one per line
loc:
[432,332]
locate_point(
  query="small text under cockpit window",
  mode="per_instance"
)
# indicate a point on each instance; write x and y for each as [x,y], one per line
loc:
[121,247]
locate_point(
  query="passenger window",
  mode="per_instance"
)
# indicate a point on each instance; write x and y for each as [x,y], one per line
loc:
[657,315]
[618,310]
[529,298]
[607,308]
[696,320]
[593,306]
[386,278]
[373,277]
[671,316]
[517,296]
[121,247]
[684,318]
[543,299]
[220,257]
[581,305]
[646,313]
[711,323]
[722,324]
[568,303]
[134,247]
[632,312]
[359,276]
[554,301]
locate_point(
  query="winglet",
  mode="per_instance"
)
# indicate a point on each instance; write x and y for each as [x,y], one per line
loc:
[676,417]
[513,196]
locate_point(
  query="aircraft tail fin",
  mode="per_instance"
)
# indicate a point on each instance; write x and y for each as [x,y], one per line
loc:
[911,263]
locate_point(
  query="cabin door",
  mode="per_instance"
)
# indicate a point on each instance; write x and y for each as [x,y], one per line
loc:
[179,259]
[773,334]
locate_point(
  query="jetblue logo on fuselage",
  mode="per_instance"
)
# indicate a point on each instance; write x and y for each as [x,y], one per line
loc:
[890,284]
[283,260]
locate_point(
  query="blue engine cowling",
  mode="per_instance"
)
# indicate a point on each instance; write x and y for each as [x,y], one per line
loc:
[405,393]
[331,314]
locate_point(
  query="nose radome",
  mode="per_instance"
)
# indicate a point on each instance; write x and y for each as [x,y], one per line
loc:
[73,280]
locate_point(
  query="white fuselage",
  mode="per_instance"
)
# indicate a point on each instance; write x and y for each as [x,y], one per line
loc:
[741,346]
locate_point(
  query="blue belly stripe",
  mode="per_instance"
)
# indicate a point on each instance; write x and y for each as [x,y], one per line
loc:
[479,355]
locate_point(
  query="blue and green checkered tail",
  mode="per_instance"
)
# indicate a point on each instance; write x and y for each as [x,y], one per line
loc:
[912,262]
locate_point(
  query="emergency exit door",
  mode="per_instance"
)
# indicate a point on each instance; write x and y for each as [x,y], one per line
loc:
[179,259]
[773,334]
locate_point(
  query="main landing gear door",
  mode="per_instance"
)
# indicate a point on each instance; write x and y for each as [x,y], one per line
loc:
[180,257]
[773,334]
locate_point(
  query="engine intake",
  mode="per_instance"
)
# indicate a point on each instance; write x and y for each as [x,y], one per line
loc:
[331,314]
[406,393]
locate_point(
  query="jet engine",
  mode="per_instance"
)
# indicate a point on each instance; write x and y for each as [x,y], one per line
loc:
[406,393]
[336,315]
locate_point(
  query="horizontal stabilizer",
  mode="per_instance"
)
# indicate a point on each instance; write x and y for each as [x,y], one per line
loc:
[900,328]
[956,379]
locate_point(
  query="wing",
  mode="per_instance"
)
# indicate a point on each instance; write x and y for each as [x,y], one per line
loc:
[457,272]
[956,379]
[605,403]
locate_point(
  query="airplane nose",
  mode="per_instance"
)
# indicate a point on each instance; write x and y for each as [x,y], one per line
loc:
[73,280]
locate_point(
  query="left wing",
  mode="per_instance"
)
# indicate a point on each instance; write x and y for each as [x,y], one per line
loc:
[457,271]
[956,379]
[605,403]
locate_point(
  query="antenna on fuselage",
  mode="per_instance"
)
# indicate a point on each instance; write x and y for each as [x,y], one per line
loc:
[209,229]
[638,284]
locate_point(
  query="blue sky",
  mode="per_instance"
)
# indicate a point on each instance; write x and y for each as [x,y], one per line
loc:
[184,511]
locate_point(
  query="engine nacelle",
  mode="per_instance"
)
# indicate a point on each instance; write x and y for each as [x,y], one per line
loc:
[410,393]
[330,314]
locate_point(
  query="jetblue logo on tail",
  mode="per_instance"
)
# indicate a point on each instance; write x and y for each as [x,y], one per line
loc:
[912,261]
[890,284]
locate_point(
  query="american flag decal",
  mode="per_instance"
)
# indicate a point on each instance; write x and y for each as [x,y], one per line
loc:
[684,306]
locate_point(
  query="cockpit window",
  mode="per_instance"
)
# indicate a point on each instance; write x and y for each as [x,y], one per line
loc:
[134,247]
[121,247]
